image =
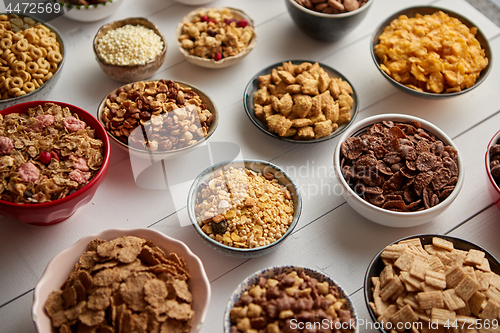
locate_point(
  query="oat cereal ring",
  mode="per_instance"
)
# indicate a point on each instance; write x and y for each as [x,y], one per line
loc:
[4,17]
[54,56]
[29,87]
[13,91]
[44,52]
[20,93]
[11,60]
[31,67]
[9,73]
[42,71]
[19,66]
[16,82]
[41,33]
[37,76]
[24,57]
[32,37]
[23,75]
[53,67]
[47,77]
[22,45]
[17,37]
[5,43]
[42,63]
[4,68]
[35,82]
[46,41]
[36,53]
[6,53]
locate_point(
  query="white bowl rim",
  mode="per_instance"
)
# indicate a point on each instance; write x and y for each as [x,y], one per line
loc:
[495,139]
[323,15]
[396,117]
[38,303]
[297,268]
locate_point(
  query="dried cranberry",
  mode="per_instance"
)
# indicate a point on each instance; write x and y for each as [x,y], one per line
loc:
[212,33]
[211,20]
[228,21]
[217,56]
[242,23]
[45,157]
[204,18]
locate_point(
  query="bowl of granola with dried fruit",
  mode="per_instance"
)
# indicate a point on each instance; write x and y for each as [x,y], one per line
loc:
[300,102]
[492,160]
[398,170]
[244,208]
[429,282]
[53,158]
[137,279]
[289,299]
[159,118]
[216,37]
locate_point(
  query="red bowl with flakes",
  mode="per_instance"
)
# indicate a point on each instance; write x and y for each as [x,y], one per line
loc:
[58,210]
[493,186]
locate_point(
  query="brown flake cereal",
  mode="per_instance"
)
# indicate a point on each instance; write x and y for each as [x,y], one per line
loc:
[44,157]
[315,103]
[457,289]
[124,296]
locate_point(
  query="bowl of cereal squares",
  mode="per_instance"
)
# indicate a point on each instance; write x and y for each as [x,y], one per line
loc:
[492,164]
[119,280]
[129,50]
[398,170]
[158,118]
[244,208]
[289,299]
[327,20]
[53,157]
[216,37]
[88,10]
[431,52]
[300,102]
[32,57]
[430,282]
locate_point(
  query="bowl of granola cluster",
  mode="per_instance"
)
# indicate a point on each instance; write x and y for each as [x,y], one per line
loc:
[53,158]
[244,208]
[216,37]
[398,170]
[492,160]
[159,118]
[290,299]
[145,280]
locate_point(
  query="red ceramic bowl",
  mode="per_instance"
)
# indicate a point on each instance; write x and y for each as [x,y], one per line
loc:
[56,211]
[493,188]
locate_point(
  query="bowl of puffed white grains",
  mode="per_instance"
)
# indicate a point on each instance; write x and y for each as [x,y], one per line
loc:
[129,50]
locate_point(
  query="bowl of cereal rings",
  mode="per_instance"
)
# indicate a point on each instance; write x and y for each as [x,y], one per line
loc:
[216,37]
[89,10]
[53,157]
[313,299]
[31,60]
[244,208]
[425,64]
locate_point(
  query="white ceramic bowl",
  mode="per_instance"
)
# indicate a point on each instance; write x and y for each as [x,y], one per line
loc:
[90,13]
[274,271]
[493,187]
[194,2]
[384,216]
[61,265]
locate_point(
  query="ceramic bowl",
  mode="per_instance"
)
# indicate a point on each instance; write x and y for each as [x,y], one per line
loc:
[129,73]
[273,271]
[493,187]
[326,27]
[211,63]
[161,154]
[194,2]
[59,268]
[428,10]
[253,86]
[89,13]
[377,265]
[384,216]
[56,211]
[257,166]
[44,90]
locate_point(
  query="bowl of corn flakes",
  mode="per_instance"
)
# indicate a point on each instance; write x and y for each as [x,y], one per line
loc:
[54,156]
[133,274]
[33,64]
[300,102]
[216,37]
[431,52]
[440,280]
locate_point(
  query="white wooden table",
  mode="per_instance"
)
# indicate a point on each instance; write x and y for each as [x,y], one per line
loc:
[330,235]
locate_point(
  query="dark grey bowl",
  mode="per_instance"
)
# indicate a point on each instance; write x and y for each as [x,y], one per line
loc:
[258,166]
[326,27]
[376,265]
[253,86]
[427,10]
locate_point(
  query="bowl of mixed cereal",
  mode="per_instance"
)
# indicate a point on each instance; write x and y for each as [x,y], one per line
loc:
[440,279]
[53,158]
[178,117]
[216,37]
[149,270]
[398,170]
[300,102]
[88,10]
[327,20]
[244,208]
[492,160]
[33,54]
[409,48]
[129,50]
[311,297]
